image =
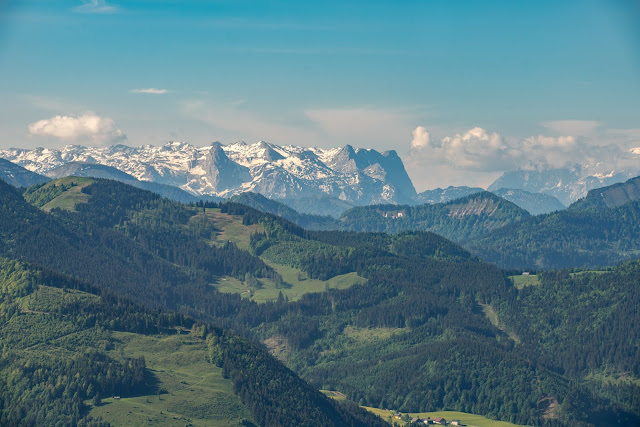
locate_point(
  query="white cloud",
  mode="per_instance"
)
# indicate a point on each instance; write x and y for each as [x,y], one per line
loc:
[88,127]
[421,137]
[151,90]
[477,157]
[474,149]
[95,6]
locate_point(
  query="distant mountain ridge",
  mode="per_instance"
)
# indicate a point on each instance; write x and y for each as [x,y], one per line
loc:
[613,195]
[566,184]
[94,170]
[534,203]
[460,219]
[600,230]
[357,176]
[310,180]
[443,195]
[18,176]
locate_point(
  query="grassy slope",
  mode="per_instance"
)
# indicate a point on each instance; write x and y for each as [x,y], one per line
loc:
[520,281]
[297,281]
[493,318]
[196,391]
[71,197]
[230,228]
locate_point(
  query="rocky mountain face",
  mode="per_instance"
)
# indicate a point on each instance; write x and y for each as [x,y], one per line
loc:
[353,176]
[567,185]
[612,196]
[534,203]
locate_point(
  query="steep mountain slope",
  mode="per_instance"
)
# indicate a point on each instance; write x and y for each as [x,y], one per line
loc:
[63,347]
[587,234]
[464,218]
[104,239]
[534,203]
[567,185]
[611,196]
[18,176]
[95,170]
[358,176]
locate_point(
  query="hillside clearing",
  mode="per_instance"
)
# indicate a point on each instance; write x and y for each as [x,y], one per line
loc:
[230,228]
[296,284]
[193,391]
[522,280]
[70,197]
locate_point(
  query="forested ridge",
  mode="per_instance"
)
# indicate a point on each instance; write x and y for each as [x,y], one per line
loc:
[467,217]
[460,219]
[416,336]
[599,230]
[41,390]
[580,236]
[435,309]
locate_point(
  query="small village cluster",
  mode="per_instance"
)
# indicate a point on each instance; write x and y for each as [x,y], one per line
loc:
[427,421]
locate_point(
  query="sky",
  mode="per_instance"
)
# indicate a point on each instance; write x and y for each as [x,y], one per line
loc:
[462,90]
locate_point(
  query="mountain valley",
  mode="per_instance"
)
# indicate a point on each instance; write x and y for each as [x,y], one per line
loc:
[408,321]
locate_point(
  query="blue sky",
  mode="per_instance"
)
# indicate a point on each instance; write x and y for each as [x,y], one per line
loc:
[416,76]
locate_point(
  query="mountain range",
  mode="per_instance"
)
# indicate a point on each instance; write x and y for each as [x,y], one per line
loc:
[96,170]
[354,176]
[566,184]
[600,230]
[310,180]
[597,231]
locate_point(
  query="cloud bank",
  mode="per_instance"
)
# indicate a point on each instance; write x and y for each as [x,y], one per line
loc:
[88,127]
[478,157]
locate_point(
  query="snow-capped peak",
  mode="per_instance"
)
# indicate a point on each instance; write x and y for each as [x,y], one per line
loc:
[361,176]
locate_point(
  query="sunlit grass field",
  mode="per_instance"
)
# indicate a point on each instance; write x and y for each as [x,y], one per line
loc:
[191,390]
